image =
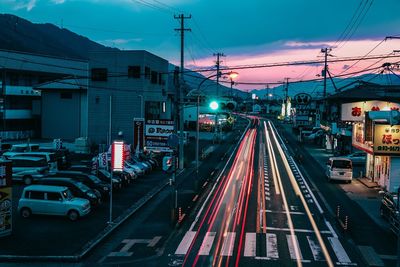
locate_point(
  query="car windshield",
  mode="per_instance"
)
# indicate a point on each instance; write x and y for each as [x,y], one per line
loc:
[342,164]
[82,187]
[94,179]
[67,194]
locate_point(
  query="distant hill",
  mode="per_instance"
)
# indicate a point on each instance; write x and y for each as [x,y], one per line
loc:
[22,35]
[315,89]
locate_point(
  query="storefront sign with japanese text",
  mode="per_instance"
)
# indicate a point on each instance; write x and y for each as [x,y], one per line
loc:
[358,138]
[355,111]
[387,139]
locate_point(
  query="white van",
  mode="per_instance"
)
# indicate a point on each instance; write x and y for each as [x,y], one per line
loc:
[52,200]
[49,157]
[339,169]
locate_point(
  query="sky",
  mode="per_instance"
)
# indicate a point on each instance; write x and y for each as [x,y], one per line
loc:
[247,32]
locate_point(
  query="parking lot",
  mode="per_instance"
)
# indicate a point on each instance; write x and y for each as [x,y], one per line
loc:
[53,235]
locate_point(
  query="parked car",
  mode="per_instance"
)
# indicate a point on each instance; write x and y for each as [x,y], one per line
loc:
[28,169]
[389,205]
[48,156]
[52,200]
[99,187]
[5,147]
[24,147]
[104,175]
[62,156]
[357,157]
[315,133]
[80,168]
[139,169]
[78,189]
[339,169]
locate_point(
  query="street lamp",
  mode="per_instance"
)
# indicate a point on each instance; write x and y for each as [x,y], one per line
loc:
[213,105]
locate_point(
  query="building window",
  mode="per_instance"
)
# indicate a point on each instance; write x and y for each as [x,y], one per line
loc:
[134,72]
[147,73]
[66,95]
[99,74]
[154,77]
[160,78]
[152,110]
[97,100]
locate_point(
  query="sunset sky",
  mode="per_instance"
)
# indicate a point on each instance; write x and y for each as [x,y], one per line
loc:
[247,32]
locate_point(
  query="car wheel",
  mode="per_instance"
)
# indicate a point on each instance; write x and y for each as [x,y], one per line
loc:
[27,180]
[73,215]
[26,213]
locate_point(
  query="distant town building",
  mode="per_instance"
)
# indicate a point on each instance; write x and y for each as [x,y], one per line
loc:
[20,103]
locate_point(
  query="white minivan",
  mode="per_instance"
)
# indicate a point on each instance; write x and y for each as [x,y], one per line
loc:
[52,200]
[339,169]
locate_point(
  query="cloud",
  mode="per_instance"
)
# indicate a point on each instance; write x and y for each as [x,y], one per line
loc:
[58,2]
[20,4]
[120,41]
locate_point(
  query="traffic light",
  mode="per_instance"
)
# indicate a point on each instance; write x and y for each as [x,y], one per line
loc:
[214,105]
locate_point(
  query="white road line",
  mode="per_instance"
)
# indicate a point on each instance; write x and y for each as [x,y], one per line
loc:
[250,245]
[293,243]
[272,246]
[295,230]
[340,253]
[283,212]
[229,242]
[208,240]
[328,224]
[315,249]
[185,243]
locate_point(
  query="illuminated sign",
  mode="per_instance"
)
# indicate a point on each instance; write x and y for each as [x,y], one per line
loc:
[355,111]
[358,138]
[117,156]
[387,139]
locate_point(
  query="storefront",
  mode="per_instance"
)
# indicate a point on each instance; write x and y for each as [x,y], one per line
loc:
[381,142]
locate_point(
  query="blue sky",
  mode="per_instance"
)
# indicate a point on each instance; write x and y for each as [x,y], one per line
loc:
[246,31]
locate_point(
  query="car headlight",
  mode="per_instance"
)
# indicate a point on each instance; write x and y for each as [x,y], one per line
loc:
[105,188]
[91,195]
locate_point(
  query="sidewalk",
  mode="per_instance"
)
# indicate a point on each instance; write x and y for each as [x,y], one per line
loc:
[362,191]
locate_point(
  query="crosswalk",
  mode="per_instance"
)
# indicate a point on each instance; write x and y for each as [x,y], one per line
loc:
[275,246]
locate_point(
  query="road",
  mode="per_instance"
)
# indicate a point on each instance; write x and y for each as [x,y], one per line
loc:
[262,212]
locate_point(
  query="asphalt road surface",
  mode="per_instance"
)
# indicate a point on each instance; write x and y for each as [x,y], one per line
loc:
[261,213]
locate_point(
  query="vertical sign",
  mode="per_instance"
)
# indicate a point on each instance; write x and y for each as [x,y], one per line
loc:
[138,134]
[5,198]
[117,156]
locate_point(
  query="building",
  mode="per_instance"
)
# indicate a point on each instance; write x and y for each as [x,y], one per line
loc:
[124,85]
[20,103]
[381,141]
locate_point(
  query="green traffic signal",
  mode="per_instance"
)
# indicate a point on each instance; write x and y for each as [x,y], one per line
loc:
[214,105]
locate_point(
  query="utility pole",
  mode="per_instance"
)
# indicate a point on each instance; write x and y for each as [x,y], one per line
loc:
[218,64]
[182,30]
[286,91]
[325,71]
[3,89]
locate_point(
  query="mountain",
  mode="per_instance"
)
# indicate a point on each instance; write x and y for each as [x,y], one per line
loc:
[315,88]
[21,35]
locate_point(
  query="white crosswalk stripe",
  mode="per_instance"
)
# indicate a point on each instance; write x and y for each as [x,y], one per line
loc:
[207,243]
[272,250]
[294,248]
[272,246]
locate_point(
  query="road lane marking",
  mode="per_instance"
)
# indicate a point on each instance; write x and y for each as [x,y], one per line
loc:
[295,187]
[272,246]
[250,245]
[206,246]
[283,212]
[229,242]
[185,243]
[315,249]
[340,253]
[293,245]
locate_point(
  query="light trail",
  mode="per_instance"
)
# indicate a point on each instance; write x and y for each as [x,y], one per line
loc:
[308,212]
[273,163]
[287,210]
